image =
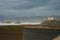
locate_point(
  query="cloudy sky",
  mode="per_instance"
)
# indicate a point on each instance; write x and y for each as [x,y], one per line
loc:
[25,8]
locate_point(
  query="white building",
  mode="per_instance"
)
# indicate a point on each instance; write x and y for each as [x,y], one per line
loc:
[51,18]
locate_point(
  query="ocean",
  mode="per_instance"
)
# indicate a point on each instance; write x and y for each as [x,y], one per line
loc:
[23,20]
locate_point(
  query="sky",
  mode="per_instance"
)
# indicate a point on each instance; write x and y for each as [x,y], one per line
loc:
[27,8]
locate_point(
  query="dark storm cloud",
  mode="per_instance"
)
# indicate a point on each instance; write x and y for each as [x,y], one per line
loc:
[31,4]
[29,7]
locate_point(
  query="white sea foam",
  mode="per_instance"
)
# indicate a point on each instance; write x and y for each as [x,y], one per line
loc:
[25,23]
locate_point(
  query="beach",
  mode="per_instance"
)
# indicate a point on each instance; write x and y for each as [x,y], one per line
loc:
[27,32]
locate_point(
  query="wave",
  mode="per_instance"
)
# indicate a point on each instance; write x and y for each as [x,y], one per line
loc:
[24,23]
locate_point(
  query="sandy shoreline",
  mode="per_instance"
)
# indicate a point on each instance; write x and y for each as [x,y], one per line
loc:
[15,32]
[35,26]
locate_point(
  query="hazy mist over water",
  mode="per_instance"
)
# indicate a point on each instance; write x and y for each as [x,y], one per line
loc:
[35,19]
[25,19]
[31,20]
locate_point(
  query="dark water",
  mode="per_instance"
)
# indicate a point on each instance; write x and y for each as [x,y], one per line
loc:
[40,34]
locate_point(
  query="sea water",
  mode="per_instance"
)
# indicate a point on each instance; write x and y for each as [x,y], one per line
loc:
[23,21]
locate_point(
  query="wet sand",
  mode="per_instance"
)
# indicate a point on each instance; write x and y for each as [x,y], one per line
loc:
[40,34]
[11,32]
[19,32]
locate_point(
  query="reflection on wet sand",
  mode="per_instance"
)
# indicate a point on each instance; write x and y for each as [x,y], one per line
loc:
[40,34]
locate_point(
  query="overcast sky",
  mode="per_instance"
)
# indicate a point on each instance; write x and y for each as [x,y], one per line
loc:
[23,8]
